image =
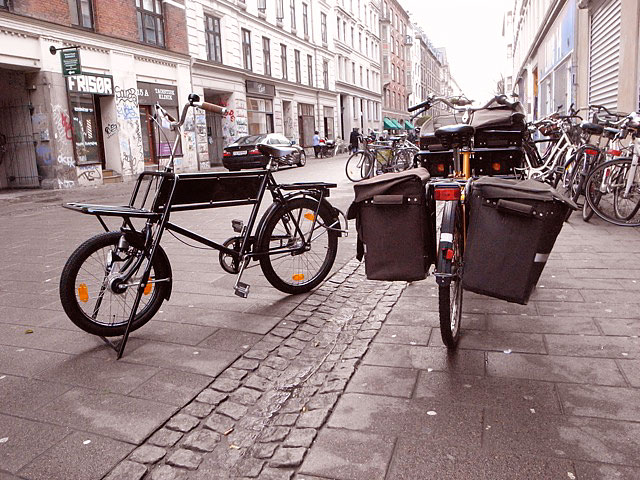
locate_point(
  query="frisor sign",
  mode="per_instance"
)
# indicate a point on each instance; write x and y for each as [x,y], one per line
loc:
[152,93]
[90,83]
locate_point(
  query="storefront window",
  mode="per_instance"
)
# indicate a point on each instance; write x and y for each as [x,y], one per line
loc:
[85,128]
[260,115]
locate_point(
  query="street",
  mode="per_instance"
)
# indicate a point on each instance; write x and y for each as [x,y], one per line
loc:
[348,382]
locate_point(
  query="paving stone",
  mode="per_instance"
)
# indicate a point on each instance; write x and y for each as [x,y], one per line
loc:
[246,364]
[293,405]
[166,472]
[246,396]
[334,386]
[185,459]
[211,397]
[287,457]
[258,383]
[127,471]
[269,344]
[300,437]
[249,467]
[322,400]
[202,441]
[303,336]
[198,409]
[267,372]
[165,438]
[312,418]
[257,354]
[309,329]
[395,382]
[234,373]
[219,423]
[232,409]
[281,332]
[275,362]
[274,434]
[275,474]
[288,352]
[285,419]
[147,454]
[296,343]
[226,385]
[264,450]
[182,423]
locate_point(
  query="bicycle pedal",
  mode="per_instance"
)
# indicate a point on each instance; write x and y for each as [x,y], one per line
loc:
[242,289]
[237,225]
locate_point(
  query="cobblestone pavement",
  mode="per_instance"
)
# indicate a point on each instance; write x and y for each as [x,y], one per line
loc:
[259,417]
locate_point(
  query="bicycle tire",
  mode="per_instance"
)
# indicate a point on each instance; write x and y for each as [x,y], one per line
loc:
[85,262]
[287,272]
[450,296]
[353,167]
[604,185]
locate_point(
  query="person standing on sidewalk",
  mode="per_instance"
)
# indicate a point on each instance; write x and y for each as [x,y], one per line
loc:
[316,143]
[353,140]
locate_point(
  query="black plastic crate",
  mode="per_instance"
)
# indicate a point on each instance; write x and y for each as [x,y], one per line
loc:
[395,221]
[497,138]
[439,164]
[513,226]
[496,161]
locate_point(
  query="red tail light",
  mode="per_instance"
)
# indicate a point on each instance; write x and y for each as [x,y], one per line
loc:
[440,168]
[615,153]
[448,253]
[496,166]
[590,151]
[445,194]
[226,154]
[254,152]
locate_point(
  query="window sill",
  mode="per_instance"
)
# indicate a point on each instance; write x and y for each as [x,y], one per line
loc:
[262,15]
[306,37]
[294,31]
[242,5]
[279,23]
[325,44]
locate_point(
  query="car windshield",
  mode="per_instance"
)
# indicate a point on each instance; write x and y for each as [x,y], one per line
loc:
[250,140]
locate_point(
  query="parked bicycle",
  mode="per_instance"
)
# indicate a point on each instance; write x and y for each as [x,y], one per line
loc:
[373,159]
[116,281]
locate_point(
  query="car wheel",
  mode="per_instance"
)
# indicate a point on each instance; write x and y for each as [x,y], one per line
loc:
[302,159]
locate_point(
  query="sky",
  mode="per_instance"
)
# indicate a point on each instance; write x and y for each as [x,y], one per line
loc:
[471,32]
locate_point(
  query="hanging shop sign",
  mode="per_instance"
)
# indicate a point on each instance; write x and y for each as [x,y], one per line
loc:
[152,93]
[70,59]
[90,83]
[259,88]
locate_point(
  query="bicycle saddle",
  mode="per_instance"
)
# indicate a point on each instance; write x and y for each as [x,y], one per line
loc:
[275,152]
[591,128]
[455,136]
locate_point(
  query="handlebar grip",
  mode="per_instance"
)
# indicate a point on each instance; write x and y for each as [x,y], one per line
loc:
[418,106]
[213,108]
[170,117]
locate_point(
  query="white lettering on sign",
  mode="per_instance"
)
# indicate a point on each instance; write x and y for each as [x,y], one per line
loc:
[87,83]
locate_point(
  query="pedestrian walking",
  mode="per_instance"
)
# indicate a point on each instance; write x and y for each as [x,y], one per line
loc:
[316,143]
[353,141]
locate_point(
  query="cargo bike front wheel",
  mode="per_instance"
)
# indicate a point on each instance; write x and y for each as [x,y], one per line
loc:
[449,275]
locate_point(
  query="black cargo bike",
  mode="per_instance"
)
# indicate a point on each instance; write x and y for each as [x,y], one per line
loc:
[116,281]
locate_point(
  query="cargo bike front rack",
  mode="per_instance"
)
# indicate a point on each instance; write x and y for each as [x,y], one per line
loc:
[295,241]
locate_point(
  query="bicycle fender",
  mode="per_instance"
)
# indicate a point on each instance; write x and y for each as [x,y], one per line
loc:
[137,240]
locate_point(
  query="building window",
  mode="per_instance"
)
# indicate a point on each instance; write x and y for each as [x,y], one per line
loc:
[325,74]
[310,69]
[296,54]
[4,3]
[259,116]
[266,52]
[150,25]
[80,11]
[283,61]
[293,14]
[214,43]
[262,5]
[352,32]
[338,28]
[361,79]
[246,49]
[360,42]
[305,19]
[323,27]
[279,9]
[353,72]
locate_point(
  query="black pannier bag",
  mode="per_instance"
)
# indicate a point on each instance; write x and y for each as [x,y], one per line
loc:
[513,226]
[395,220]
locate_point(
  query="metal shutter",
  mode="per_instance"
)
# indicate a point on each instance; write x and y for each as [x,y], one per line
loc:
[604,51]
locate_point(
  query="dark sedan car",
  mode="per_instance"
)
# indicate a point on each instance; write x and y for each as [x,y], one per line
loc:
[244,153]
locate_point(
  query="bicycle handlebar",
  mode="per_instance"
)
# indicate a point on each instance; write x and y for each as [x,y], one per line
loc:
[211,107]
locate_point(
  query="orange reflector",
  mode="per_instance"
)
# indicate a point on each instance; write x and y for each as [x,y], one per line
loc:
[298,276]
[615,153]
[147,288]
[440,167]
[309,216]
[83,293]
[590,151]
[448,253]
[447,193]
[496,166]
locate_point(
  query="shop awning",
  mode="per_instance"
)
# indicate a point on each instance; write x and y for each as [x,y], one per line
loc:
[389,124]
[408,125]
[398,125]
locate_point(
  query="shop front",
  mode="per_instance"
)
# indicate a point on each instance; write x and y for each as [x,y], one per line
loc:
[157,142]
[306,123]
[260,107]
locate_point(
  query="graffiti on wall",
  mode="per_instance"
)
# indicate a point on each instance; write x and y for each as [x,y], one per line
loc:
[63,163]
[128,124]
[44,154]
[111,129]
[89,175]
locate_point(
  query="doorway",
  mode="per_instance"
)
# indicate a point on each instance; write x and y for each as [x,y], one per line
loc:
[215,139]
[148,144]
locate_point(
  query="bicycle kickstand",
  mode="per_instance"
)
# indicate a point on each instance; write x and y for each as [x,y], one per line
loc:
[242,289]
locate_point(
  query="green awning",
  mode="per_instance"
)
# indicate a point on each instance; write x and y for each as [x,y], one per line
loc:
[389,124]
[408,125]
[398,125]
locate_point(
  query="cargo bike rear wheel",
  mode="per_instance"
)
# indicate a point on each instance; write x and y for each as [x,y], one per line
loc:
[449,276]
